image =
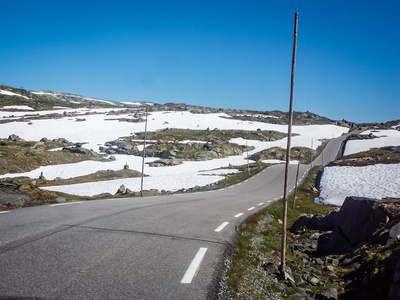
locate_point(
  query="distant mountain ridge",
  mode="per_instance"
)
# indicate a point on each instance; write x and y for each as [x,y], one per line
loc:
[40,100]
[47,100]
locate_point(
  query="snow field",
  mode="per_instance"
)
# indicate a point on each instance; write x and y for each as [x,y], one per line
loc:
[12,94]
[96,131]
[19,107]
[374,181]
[386,138]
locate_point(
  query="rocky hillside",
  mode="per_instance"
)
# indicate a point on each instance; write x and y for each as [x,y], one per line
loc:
[41,100]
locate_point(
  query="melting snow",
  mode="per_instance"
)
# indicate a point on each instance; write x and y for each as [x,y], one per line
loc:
[96,131]
[374,181]
[386,138]
[18,107]
[12,94]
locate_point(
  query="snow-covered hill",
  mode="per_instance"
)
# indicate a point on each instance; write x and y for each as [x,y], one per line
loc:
[98,128]
[33,115]
[40,100]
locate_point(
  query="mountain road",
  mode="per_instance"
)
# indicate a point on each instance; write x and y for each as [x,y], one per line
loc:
[166,247]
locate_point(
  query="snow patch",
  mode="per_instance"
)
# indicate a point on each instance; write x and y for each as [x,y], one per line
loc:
[374,181]
[96,131]
[18,107]
[8,93]
[385,138]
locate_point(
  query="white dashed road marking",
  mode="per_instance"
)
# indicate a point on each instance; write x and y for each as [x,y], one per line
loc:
[5,211]
[238,215]
[220,227]
[59,204]
[251,208]
[194,266]
[260,203]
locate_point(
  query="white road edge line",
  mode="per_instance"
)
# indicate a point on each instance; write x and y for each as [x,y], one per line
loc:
[251,208]
[220,227]
[238,215]
[260,203]
[194,266]
[4,211]
[59,204]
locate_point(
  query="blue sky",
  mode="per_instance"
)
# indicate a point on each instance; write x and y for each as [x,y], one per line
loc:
[228,54]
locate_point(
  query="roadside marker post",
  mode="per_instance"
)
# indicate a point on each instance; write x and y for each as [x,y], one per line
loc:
[285,200]
[144,153]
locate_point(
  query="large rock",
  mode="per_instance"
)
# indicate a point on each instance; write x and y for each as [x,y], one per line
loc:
[206,155]
[329,293]
[121,190]
[120,147]
[301,222]
[355,223]
[14,138]
[394,292]
[359,218]
[323,223]
[394,234]
[165,162]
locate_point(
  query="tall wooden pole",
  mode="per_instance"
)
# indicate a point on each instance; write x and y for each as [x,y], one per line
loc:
[285,191]
[144,153]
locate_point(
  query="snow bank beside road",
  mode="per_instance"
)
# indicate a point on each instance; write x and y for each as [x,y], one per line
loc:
[374,181]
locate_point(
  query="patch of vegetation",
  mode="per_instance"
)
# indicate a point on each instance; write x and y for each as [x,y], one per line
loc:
[46,101]
[194,151]
[243,174]
[23,156]
[304,154]
[384,155]
[210,135]
[94,177]
[371,280]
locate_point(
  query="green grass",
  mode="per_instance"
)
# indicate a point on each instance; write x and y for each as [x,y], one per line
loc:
[243,174]
[371,153]
[209,135]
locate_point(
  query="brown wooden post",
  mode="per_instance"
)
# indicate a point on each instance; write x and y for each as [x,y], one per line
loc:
[285,191]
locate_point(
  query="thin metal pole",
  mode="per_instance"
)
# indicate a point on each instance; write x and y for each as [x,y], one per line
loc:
[311,152]
[248,166]
[144,153]
[285,191]
[295,186]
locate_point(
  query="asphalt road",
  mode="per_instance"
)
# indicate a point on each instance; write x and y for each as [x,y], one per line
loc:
[167,247]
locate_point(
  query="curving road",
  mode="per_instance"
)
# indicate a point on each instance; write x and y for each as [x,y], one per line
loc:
[167,247]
